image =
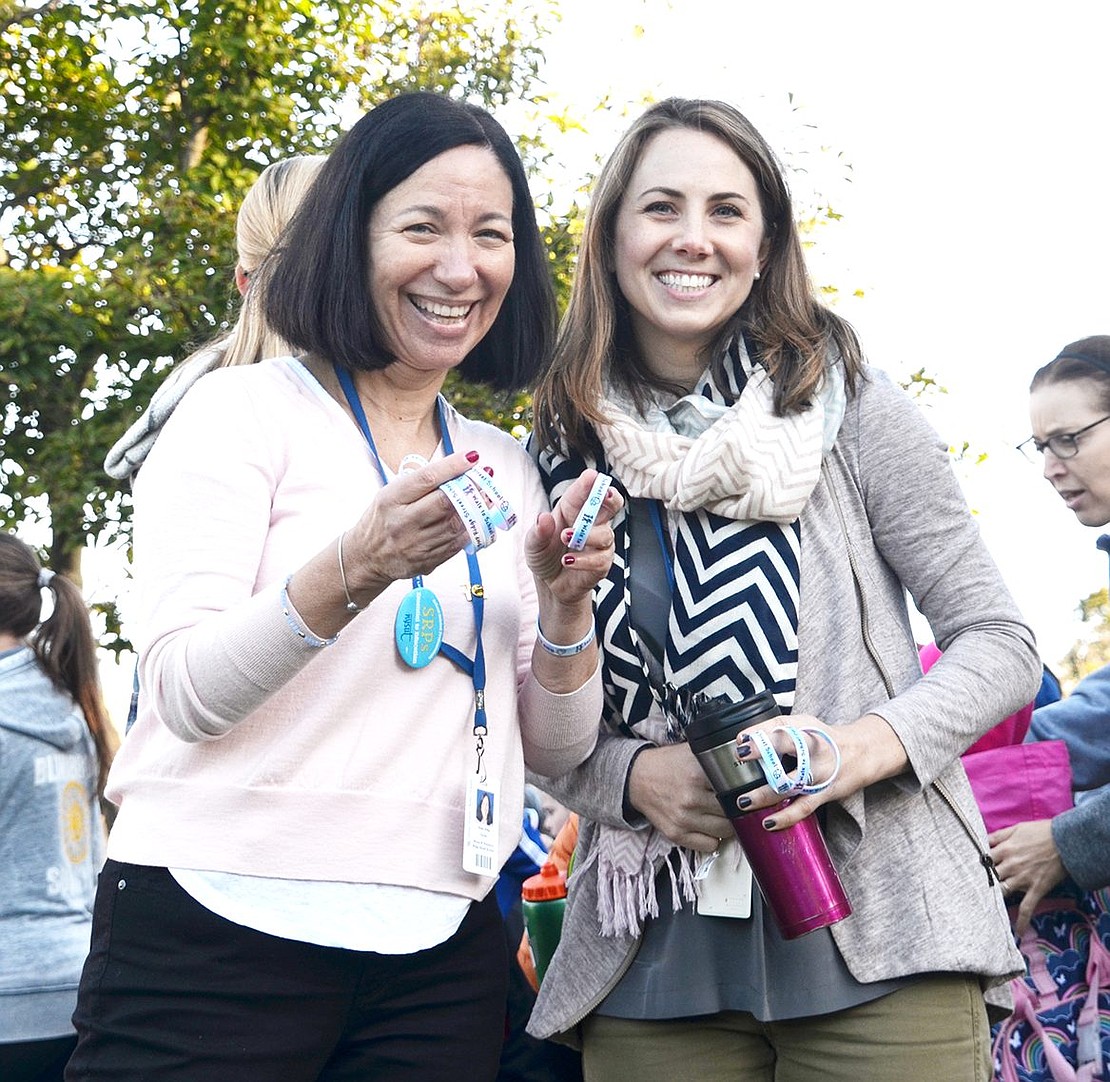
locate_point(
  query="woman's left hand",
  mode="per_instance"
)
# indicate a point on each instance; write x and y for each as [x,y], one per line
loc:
[1027,861]
[570,576]
[869,752]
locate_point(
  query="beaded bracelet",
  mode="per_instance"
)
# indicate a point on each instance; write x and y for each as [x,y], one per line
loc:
[564,651]
[297,625]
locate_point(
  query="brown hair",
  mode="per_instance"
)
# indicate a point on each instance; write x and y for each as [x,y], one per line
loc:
[786,327]
[63,643]
[1088,358]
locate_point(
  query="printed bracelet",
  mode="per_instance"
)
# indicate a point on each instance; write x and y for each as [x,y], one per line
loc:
[564,651]
[297,625]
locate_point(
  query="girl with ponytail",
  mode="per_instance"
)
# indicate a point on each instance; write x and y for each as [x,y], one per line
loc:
[56,743]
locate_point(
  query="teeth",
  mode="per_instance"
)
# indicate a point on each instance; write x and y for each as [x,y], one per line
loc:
[686,281]
[444,311]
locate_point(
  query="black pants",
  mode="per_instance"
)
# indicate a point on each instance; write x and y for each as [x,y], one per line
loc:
[35,1061]
[171,992]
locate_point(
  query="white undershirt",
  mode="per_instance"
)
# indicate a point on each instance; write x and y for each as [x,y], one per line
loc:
[375,917]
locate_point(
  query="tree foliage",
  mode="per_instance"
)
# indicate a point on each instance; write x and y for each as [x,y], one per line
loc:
[1093,650]
[129,132]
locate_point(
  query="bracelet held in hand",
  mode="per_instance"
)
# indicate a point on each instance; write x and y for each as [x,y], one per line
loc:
[588,515]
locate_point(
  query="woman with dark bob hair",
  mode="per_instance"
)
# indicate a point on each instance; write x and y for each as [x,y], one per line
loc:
[781,500]
[334,656]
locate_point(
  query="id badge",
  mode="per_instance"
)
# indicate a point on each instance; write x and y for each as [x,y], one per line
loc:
[726,888]
[480,812]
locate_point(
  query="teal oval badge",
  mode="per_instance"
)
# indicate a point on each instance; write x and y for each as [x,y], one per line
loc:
[418,628]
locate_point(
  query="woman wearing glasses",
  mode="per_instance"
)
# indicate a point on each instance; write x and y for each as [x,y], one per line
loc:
[1069,405]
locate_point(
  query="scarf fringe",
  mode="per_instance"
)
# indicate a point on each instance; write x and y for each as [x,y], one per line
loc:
[627,898]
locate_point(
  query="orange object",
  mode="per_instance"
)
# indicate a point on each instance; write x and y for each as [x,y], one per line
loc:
[562,850]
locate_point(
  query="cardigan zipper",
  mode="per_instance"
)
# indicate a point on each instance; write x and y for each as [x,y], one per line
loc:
[985,858]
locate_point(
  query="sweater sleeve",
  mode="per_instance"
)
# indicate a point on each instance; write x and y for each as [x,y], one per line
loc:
[1082,836]
[1082,721]
[921,525]
[213,650]
[557,731]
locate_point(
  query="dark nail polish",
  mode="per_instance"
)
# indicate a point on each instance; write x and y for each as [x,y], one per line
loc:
[768,824]
[743,802]
[568,560]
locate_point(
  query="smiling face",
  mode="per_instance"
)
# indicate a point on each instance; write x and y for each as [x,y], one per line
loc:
[442,258]
[689,239]
[1083,481]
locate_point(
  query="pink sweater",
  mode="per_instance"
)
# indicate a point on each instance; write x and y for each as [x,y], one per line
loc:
[256,754]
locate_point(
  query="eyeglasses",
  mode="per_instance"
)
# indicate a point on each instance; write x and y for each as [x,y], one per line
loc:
[1062,445]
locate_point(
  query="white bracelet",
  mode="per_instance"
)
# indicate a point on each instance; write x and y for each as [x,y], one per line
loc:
[564,651]
[296,622]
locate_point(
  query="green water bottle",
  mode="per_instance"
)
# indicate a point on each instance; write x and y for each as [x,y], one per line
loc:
[543,899]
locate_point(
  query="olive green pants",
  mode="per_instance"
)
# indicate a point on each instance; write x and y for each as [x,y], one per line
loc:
[934,1030]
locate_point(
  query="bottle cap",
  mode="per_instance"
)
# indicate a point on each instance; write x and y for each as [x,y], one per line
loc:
[548,884]
[720,719]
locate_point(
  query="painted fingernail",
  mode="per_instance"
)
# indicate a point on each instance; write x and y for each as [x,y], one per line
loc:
[488,469]
[610,494]
[768,824]
[568,560]
[743,802]
[472,456]
[567,535]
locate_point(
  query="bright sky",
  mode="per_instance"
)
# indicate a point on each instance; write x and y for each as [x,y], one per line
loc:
[976,220]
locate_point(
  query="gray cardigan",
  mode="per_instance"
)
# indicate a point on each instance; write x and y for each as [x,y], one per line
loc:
[1082,836]
[886,517]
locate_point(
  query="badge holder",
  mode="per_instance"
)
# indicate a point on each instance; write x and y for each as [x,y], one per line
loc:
[723,882]
[480,826]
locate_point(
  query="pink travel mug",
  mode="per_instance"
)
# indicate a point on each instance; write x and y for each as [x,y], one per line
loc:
[795,873]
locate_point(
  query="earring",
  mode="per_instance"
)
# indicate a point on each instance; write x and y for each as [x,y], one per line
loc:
[756,276]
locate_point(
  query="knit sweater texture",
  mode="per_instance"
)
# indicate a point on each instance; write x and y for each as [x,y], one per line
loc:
[255,753]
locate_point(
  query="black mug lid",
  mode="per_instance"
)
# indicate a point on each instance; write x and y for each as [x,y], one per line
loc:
[721,719]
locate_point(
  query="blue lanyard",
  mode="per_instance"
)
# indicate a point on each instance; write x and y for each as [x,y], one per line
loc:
[475,669]
[661,537]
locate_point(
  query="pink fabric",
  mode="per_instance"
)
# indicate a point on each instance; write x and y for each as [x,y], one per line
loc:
[1010,730]
[1020,783]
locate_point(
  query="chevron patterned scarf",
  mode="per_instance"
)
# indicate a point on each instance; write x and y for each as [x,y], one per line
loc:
[740,462]
[734,478]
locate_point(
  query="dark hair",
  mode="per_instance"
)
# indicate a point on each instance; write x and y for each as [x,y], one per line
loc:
[319,300]
[1089,358]
[790,332]
[63,643]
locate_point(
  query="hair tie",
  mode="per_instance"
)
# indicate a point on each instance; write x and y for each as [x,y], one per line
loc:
[45,575]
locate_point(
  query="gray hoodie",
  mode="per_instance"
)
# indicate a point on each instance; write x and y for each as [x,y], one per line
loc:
[51,850]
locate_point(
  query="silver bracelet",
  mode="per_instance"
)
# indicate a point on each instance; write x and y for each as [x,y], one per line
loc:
[351,606]
[564,651]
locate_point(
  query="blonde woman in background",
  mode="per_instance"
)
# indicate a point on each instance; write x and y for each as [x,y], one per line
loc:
[267,207]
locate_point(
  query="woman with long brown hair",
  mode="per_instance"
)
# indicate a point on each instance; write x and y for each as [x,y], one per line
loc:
[782,499]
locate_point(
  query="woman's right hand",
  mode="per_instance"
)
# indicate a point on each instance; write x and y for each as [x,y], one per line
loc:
[410,528]
[668,786]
